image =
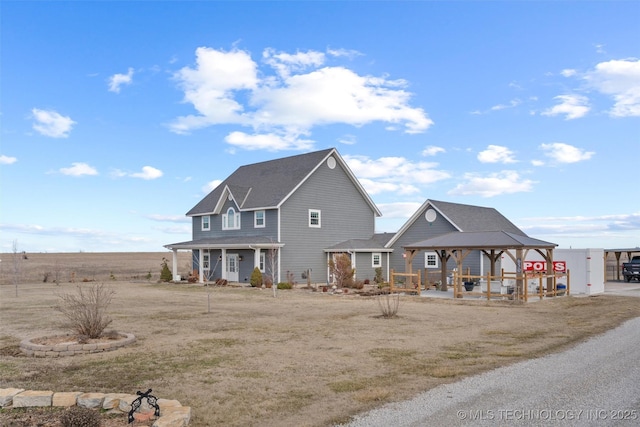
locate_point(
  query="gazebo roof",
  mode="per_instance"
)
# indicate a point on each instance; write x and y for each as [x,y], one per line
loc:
[481,240]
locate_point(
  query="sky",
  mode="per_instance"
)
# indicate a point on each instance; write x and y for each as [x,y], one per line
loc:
[117,117]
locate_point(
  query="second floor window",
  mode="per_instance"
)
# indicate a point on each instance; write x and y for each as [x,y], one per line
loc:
[314,218]
[231,220]
[206,223]
[258,219]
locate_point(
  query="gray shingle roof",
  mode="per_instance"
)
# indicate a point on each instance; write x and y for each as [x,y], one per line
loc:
[264,184]
[375,243]
[475,218]
[481,240]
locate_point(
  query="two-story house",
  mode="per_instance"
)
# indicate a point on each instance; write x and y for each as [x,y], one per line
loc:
[287,217]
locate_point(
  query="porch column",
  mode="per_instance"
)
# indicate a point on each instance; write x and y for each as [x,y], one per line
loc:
[256,258]
[201,265]
[174,264]
[223,263]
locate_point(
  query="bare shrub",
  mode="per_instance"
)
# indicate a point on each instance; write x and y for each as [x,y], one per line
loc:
[86,310]
[77,416]
[341,270]
[389,304]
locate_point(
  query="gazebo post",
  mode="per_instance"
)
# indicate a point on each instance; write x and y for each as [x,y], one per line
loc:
[443,269]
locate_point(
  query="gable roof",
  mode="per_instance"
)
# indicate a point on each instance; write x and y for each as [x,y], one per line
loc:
[268,184]
[464,218]
[374,244]
[481,240]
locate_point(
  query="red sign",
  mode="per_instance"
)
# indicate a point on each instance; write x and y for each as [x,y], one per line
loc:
[558,266]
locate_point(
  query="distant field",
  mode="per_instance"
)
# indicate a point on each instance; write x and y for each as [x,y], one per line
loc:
[87,266]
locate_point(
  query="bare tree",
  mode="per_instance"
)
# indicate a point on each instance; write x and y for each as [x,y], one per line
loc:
[17,259]
[272,256]
[86,310]
[389,304]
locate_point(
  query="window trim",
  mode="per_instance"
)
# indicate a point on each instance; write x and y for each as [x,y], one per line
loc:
[426,259]
[373,259]
[236,220]
[262,262]
[255,219]
[319,219]
[202,222]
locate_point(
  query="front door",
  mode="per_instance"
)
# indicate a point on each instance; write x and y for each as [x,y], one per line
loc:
[232,267]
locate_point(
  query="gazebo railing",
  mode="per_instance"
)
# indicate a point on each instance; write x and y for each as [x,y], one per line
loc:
[512,285]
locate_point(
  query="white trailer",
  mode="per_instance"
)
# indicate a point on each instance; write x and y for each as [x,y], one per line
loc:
[586,267]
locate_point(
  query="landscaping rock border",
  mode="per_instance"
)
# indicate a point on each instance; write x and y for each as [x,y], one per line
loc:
[72,348]
[172,413]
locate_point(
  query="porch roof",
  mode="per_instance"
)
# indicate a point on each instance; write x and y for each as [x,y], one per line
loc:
[359,245]
[244,242]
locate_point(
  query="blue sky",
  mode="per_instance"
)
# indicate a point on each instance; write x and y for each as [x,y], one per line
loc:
[118,117]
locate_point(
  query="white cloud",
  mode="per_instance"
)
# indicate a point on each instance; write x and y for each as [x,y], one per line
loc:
[348,139]
[496,154]
[578,227]
[168,218]
[148,173]
[568,72]
[267,141]
[7,160]
[228,88]
[494,184]
[286,63]
[79,169]
[51,123]
[572,106]
[619,79]
[398,210]
[211,185]
[211,86]
[118,80]
[565,153]
[394,174]
[432,150]
[512,104]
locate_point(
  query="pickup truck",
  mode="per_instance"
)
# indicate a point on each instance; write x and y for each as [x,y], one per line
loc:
[631,269]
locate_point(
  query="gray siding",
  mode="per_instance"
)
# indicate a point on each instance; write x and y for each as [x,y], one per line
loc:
[345,214]
[246,224]
[364,269]
[420,230]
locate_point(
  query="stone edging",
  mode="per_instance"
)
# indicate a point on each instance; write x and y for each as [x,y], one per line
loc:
[172,413]
[70,349]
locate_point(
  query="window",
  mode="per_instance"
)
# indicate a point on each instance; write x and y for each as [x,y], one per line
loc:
[258,219]
[205,260]
[314,218]
[231,220]
[262,257]
[376,260]
[430,260]
[206,223]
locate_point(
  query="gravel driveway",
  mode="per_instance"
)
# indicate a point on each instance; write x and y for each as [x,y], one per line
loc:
[596,383]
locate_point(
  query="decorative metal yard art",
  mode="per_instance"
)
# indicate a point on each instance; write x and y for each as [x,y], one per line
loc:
[151,400]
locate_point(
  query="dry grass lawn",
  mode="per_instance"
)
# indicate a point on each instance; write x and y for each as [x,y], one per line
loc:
[301,359]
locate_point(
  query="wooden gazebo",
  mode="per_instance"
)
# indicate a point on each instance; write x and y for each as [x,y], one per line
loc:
[493,244]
